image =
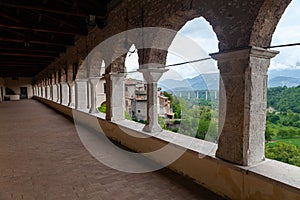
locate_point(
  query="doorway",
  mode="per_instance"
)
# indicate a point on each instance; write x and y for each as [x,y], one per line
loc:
[23,93]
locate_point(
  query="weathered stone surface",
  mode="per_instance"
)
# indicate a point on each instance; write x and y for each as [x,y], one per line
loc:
[115,96]
[93,85]
[80,94]
[152,76]
[243,104]
[71,100]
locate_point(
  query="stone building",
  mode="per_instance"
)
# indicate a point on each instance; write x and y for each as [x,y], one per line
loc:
[61,45]
[136,101]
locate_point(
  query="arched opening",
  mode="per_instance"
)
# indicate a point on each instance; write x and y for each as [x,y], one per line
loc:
[283,111]
[101,87]
[135,88]
[191,83]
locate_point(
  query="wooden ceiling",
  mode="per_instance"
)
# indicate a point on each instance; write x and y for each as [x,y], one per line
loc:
[33,33]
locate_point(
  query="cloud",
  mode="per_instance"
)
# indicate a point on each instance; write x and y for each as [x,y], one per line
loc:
[287,32]
[194,41]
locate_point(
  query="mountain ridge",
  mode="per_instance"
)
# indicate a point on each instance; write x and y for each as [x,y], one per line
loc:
[276,78]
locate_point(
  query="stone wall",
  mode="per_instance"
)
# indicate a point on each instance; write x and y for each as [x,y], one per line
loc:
[237,24]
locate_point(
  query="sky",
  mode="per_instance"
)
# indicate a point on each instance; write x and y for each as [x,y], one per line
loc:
[199,30]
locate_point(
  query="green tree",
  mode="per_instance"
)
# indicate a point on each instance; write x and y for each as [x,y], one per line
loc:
[270,133]
[284,152]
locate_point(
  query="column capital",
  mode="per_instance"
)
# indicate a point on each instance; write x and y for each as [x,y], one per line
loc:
[71,83]
[244,53]
[113,74]
[152,75]
[93,79]
[81,80]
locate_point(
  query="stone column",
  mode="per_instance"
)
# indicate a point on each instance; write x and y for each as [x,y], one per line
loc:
[38,91]
[58,92]
[54,92]
[115,96]
[71,94]
[152,75]
[46,91]
[64,99]
[88,95]
[93,82]
[81,94]
[242,104]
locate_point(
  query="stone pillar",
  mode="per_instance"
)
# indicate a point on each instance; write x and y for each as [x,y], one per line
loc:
[47,91]
[58,92]
[64,93]
[93,82]
[54,92]
[88,95]
[115,96]
[38,91]
[152,75]
[81,94]
[71,94]
[242,104]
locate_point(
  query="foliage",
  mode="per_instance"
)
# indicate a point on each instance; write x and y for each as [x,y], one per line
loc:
[175,105]
[162,123]
[270,133]
[284,152]
[283,125]
[195,117]
[102,108]
[127,116]
[284,99]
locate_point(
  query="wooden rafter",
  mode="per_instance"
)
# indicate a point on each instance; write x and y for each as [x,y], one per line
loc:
[45,29]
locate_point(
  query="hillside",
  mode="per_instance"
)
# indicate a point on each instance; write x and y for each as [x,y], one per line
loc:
[284,98]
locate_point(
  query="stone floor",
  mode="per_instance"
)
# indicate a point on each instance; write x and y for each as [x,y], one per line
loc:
[41,157]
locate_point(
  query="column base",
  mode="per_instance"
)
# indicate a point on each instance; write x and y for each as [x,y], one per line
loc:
[150,128]
[93,111]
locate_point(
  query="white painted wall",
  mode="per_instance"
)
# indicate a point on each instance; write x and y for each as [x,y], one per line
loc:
[20,82]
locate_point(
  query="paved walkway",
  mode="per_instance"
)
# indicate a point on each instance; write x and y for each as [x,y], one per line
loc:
[41,157]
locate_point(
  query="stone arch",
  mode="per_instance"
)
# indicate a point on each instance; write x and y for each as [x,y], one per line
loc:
[63,75]
[95,64]
[266,22]
[82,71]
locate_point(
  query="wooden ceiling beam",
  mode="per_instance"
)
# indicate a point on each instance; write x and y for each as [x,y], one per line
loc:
[29,50]
[26,55]
[21,65]
[70,12]
[37,41]
[44,29]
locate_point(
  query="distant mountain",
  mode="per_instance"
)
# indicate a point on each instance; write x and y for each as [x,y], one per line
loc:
[201,82]
[211,81]
[294,73]
[283,81]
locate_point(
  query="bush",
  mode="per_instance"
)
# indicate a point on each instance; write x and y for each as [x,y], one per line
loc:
[102,108]
[284,152]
